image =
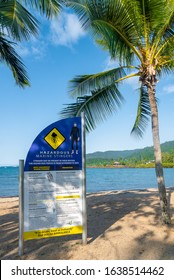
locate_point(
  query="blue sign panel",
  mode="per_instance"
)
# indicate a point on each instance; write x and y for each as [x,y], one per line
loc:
[57,147]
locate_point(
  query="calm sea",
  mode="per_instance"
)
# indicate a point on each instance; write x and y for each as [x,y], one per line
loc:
[98,179]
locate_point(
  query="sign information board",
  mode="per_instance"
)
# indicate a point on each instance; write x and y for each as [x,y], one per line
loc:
[53,181]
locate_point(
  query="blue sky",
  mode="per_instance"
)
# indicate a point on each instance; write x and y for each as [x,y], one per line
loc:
[61,51]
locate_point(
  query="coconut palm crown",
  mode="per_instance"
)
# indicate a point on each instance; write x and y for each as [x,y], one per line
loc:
[17,24]
[139,35]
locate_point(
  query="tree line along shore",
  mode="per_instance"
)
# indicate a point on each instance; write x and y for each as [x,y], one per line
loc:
[141,165]
[138,158]
[132,162]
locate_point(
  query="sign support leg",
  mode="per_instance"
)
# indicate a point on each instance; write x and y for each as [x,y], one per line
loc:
[84,205]
[21,207]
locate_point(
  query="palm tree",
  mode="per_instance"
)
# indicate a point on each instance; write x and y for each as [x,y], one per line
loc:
[16,24]
[139,35]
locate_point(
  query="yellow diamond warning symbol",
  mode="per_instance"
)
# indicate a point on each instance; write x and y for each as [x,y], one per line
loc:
[54,138]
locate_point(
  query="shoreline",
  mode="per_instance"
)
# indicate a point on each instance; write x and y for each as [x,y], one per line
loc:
[123,166]
[123,224]
[111,190]
[108,166]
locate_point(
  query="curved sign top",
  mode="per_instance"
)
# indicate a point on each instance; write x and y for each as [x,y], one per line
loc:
[57,147]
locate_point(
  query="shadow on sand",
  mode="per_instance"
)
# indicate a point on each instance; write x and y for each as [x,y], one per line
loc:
[104,210]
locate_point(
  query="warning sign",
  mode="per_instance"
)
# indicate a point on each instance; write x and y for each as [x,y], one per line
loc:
[54,181]
[54,138]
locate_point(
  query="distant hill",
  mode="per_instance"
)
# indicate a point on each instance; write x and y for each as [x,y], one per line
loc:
[145,153]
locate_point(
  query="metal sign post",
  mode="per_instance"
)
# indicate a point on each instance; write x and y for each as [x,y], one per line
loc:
[21,207]
[84,206]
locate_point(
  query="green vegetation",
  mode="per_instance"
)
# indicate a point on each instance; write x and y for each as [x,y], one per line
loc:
[139,158]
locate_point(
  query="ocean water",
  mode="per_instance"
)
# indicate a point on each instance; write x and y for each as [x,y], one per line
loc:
[9,181]
[98,179]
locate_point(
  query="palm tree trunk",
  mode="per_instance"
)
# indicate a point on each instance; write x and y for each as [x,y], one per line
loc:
[158,156]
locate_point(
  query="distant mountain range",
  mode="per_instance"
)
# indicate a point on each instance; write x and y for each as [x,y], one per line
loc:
[146,153]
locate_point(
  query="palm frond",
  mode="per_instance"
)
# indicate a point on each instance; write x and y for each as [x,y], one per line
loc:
[153,13]
[97,106]
[82,11]
[163,15]
[16,21]
[113,23]
[84,84]
[9,56]
[143,113]
[48,7]
[167,67]
[116,42]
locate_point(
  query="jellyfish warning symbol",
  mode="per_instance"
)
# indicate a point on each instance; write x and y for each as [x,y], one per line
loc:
[54,138]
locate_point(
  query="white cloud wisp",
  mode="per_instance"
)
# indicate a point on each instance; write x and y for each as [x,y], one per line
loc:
[66,30]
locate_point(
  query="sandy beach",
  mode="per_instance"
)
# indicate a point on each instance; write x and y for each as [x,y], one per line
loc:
[122,225]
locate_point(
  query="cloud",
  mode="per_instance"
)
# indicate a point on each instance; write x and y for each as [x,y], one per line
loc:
[110,64]
[23,51]
[133,81]
[35,48]
[168,89]
[66,30]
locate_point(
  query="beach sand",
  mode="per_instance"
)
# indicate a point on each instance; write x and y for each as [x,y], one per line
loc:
[122,225]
